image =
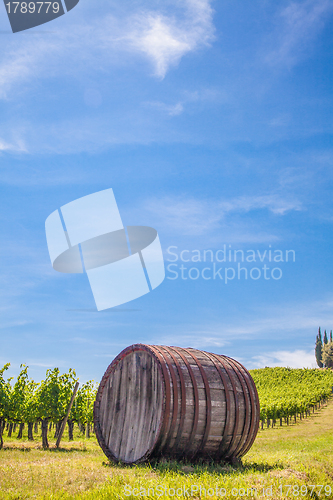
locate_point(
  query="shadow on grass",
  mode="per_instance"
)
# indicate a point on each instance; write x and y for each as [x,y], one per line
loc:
[184,467]
[51,449]
[68,450]
[16,448]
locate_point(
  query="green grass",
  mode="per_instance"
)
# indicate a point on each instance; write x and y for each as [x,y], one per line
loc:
[295,455]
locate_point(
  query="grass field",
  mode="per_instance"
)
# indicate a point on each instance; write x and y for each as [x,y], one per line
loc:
[297,455]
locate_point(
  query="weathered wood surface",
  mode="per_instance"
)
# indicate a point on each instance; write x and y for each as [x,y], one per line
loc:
[158,401]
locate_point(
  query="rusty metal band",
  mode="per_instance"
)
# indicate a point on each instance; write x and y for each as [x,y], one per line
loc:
[166,416]
[255,431]
[183,398]
[227,427]
[253,410]
[169,434]
[228,452]
[255,407]
[208,401]
[247,416]
[111,368]
[195,393]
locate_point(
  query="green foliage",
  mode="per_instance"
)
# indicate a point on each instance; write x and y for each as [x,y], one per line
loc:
[319,353]
[26,401]
[327,356]
[30,407]
[54,393]
[325,338]
[319,350]
[18,396]
[83,407]
[284,392]
[5,393]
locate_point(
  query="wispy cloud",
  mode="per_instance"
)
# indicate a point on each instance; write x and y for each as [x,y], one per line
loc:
[292,359]
[162,38]
[196,339]
[4,146]
[47,364]
[292,326]
[17,146]
[166,39]
[160,35]
[189,215]
[284,319]
[169,109]
[206,96]
[13,324]
[20,62]
[297,25]
[194,217]
[274,203]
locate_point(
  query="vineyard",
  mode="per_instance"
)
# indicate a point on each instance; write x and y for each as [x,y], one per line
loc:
[285,394]
[44,404]
[290,393]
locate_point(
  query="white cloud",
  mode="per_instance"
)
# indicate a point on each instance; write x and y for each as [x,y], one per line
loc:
[169,109]
[293,326]
[20,62]
[205,95]
[161,34]
[274,203]
[163,43]
[298,24]
[187,215]
[194,338]
[47,364]
[165,39]
[17,146]
[3,145]
[292,359]
[162,38]
[285,319]
[13,324]
[196,217]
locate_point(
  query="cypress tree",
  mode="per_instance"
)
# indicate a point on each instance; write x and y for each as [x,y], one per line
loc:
[325,338]
[328,355]
[319,349]
[331,339]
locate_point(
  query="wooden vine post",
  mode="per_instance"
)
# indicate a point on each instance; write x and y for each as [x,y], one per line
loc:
[63,425]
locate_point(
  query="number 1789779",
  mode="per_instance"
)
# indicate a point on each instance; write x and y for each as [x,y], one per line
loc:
[32,7]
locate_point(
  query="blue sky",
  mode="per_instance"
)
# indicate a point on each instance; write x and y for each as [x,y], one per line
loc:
[212,122]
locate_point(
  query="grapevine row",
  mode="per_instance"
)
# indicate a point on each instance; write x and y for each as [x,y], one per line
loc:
[284,393]
[289,393]
[29,403]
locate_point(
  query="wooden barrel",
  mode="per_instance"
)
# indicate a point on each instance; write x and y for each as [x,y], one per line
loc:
[158,401]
